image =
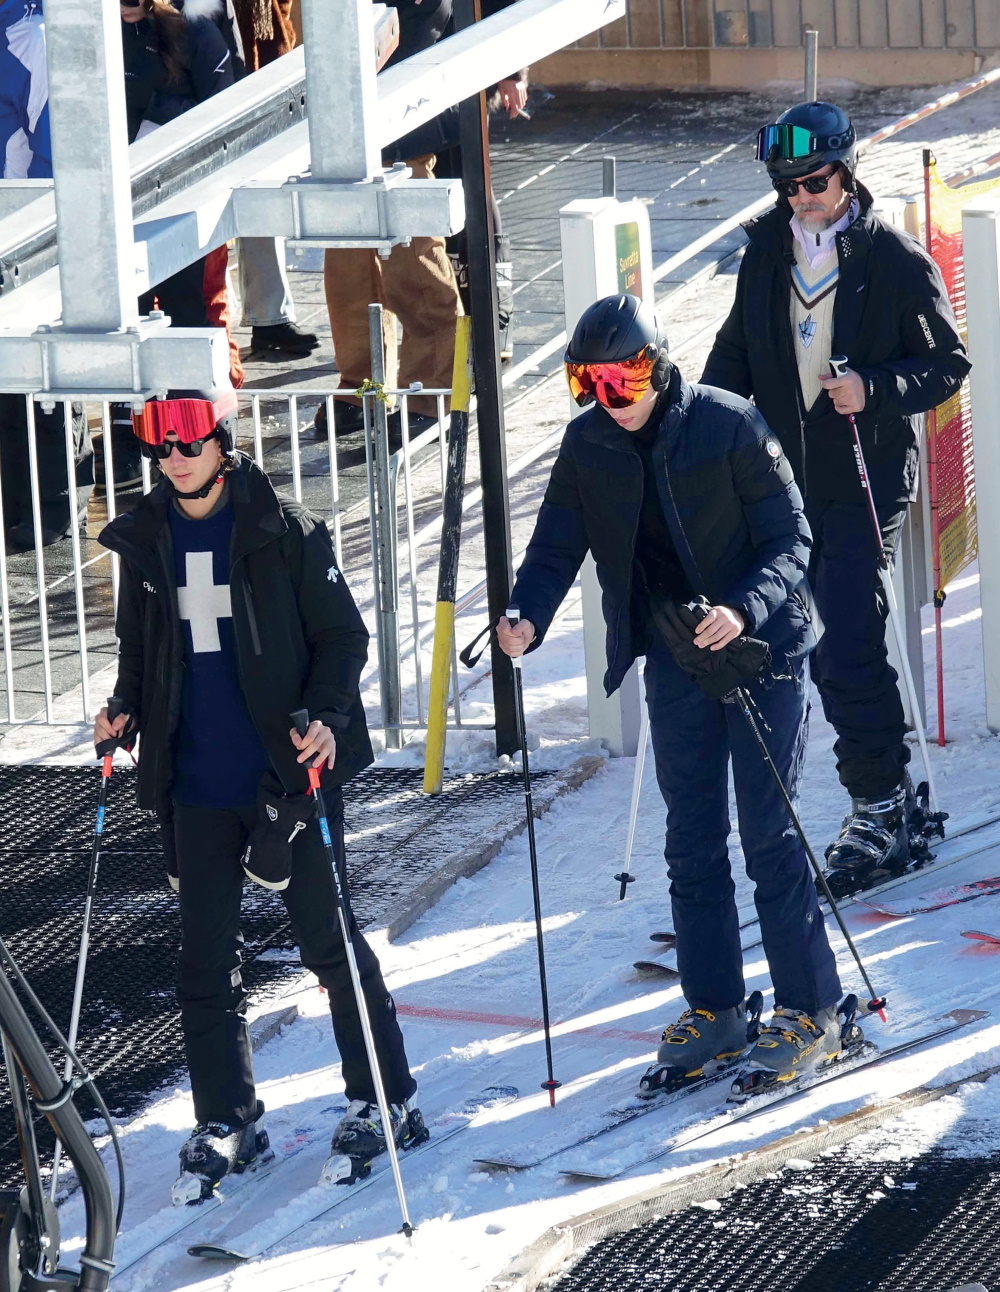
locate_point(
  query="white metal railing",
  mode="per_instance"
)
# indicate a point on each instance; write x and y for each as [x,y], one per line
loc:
[275,429]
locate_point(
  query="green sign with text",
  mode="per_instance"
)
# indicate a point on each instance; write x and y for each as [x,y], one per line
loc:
[629,265]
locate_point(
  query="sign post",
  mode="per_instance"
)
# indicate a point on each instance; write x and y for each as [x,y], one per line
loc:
[606,249]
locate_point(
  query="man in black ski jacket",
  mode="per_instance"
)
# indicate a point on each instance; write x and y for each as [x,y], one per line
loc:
[232,614]
[823,275]
[677,491]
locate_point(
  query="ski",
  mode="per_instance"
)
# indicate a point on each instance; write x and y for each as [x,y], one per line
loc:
[629,1110]
[937,900]
[667,939]
[180,1218]
[990,939]
[654,969]
[660,969]
[755,1105]
[942,859]
[330,1197]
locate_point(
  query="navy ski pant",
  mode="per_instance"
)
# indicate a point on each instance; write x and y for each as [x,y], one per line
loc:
[209,844]
[850,665]
[694,739]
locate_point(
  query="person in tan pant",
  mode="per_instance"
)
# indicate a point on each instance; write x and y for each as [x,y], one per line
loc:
[416,286]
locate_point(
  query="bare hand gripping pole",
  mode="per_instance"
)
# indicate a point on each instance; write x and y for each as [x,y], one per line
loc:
[300,721]
[550,1084]
[838,367]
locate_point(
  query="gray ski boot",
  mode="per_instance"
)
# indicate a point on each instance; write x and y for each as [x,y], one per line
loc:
[795,1044]
[702,1043]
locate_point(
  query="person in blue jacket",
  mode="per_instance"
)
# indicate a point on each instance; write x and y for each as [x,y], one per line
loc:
[25,148]
[681,491]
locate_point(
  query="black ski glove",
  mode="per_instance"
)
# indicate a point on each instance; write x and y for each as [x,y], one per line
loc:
[717,672]
[280,819]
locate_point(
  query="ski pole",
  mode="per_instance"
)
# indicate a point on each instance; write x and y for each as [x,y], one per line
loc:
[626,877]
[106,752]
[876,1003]
[300,721]
[550,1084]
[838,366]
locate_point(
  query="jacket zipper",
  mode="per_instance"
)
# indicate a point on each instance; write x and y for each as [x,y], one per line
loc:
[251,616]
[800,402]
[680,524]
[626,604]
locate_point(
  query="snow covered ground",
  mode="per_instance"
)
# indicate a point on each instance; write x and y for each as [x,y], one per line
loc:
[464,978]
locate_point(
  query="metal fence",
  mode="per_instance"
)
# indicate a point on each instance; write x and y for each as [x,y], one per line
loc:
[382,504]
[844,24]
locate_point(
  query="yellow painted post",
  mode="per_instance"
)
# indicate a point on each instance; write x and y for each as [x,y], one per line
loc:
[451,538]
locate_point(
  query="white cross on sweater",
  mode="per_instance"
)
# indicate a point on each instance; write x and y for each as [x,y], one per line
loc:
[204,602]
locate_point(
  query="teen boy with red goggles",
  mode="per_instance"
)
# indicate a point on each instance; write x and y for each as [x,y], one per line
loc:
[232,614]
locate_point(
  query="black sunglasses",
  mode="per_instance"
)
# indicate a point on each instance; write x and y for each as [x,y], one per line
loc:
[160,452]
[814,184]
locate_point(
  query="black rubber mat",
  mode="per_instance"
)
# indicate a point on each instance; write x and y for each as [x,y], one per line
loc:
[129,1028]
[927,1225]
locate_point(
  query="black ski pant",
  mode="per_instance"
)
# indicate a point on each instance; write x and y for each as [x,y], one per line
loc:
[209,843]
[694,739]
[850,665]
[58,516]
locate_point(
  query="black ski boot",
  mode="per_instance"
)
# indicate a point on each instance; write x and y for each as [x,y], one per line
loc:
[359,1138]
[922,825]
[874,839]
[702,1043]
[795,1045]
[214,1151]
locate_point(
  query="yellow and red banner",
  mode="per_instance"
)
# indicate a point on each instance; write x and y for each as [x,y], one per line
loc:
[949,431]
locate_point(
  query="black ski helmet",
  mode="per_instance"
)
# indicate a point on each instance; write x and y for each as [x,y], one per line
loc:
[806,137]
[620,327]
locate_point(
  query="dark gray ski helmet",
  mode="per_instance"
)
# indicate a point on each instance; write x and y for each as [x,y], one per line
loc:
[806,137]
[614,328]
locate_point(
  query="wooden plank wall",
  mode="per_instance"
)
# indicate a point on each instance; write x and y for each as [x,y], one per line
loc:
[842,24]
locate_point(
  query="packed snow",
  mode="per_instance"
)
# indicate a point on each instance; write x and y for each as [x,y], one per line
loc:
[465,982]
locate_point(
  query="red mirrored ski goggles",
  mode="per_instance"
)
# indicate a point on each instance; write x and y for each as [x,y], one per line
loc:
[615,385]
[189,419]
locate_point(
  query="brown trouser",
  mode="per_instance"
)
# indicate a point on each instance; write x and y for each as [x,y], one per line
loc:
[415,285]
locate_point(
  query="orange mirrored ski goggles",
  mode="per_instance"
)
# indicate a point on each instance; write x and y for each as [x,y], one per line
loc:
[615,385]
[188,419]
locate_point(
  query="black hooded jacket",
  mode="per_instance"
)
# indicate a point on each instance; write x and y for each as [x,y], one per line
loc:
[300,640]
[891,318]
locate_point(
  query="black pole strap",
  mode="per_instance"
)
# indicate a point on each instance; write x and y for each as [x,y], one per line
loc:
[466,655]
